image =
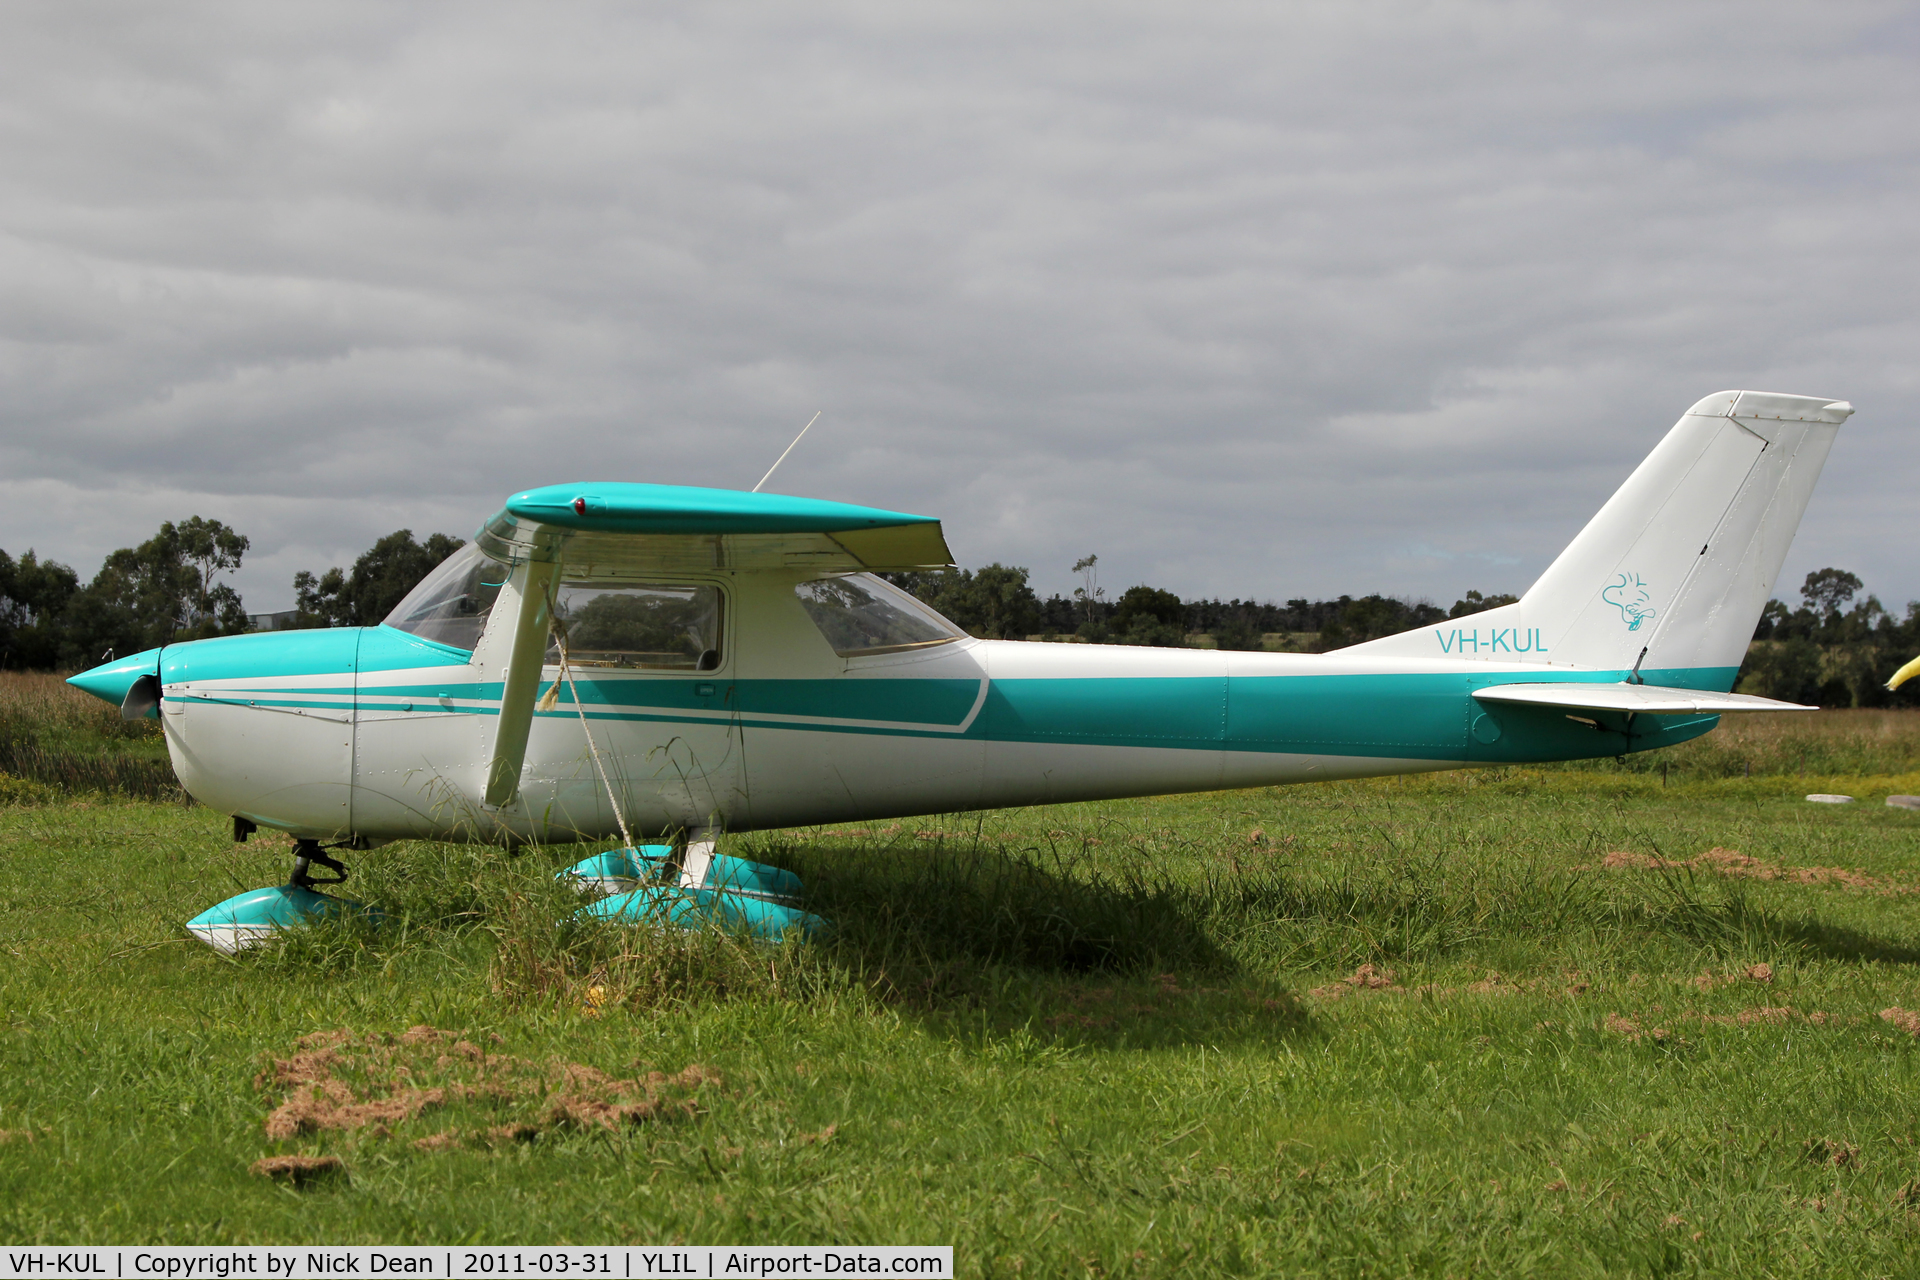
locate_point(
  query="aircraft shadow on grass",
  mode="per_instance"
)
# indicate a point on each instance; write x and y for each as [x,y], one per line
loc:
[996,906]
[1740,928]
[1835,942]
[1030,948]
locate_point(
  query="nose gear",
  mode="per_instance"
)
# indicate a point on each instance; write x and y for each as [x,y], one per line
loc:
[305,854]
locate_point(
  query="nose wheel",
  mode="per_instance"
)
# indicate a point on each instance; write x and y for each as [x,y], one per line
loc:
[249,919]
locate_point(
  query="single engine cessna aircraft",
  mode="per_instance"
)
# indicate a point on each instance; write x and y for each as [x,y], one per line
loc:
[608,657]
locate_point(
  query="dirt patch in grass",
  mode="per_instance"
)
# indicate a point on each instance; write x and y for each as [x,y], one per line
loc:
[1573,982]
[343,1081]
[820,1137]
[1633,1031]
[1762,973]
[1831,1151]
[1908,1020]
[591,1099]
[1366,978]
[504,1135]
[301,1171]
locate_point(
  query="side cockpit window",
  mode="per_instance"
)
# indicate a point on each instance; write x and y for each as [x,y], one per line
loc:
[451,604]
[673,628]
[859,613]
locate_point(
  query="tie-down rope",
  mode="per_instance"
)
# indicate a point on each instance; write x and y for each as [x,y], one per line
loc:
[552,696]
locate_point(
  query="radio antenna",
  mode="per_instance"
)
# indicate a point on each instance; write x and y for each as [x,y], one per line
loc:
[783,457]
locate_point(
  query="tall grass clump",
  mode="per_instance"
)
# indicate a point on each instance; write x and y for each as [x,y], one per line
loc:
[544,954]
[52,733]
[465,908]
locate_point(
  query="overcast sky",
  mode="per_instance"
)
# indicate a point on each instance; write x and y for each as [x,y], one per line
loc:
[1265,299]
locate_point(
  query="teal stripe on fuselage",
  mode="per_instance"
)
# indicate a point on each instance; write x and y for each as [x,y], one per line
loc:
[911,704]
[1420,716]
[926,703]
[223,700]
[1145,711]
[1428,716]
[1409,715]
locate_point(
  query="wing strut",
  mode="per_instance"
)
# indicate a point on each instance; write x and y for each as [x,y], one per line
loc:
[521,683]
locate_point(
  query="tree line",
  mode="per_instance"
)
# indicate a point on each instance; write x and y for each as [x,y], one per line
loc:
[173,587]
[168,588]
[998,603]
[1836,648]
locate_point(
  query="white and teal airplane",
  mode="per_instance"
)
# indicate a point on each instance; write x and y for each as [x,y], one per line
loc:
[736,665]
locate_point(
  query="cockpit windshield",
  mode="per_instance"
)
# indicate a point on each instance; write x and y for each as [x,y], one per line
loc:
[859,613]
[451,604]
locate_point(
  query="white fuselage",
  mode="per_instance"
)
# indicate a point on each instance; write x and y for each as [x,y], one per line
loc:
[394,739]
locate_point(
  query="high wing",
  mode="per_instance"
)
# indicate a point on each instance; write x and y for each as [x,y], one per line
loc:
[611,526]
[1642,699]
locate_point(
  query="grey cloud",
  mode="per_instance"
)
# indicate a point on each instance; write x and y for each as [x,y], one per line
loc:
[1268,300]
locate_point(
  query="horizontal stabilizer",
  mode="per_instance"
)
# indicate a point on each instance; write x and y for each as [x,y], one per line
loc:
[1645,699]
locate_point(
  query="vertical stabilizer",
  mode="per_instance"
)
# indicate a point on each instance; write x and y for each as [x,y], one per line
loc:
[1673,572]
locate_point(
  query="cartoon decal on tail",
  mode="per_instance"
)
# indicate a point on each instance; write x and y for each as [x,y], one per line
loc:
[1629,595]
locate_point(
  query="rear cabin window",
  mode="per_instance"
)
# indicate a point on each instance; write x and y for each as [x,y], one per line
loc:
[451,604]
[861,614]
[673,628]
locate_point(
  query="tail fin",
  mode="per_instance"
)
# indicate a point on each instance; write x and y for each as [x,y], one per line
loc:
[1673,572]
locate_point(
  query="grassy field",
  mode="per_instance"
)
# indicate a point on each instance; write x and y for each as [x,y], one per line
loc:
[1647,1019]
[53,734]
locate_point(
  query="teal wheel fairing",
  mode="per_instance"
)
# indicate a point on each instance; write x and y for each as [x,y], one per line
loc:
[694,908]
[250,918]
[619,870]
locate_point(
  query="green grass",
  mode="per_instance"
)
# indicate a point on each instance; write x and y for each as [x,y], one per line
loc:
[1108,1039]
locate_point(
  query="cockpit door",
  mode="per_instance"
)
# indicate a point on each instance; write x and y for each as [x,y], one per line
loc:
[653,694]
